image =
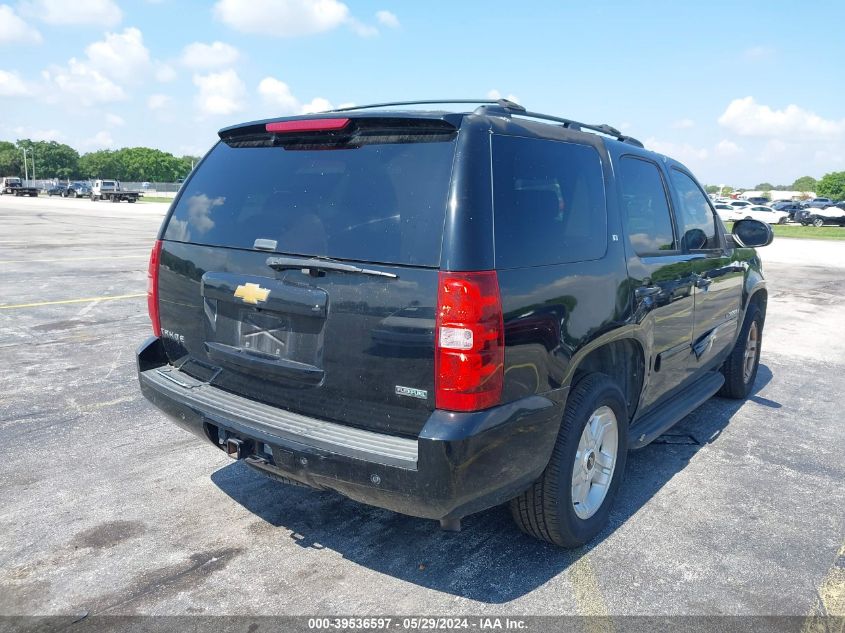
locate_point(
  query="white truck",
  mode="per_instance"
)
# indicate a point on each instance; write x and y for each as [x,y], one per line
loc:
[111,190]
[12,185]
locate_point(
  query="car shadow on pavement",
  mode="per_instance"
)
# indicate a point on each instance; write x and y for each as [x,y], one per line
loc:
[490,560]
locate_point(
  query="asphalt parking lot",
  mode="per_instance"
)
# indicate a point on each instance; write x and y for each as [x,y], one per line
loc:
[108,508]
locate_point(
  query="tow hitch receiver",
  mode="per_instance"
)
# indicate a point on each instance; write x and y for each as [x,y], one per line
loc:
[237,449]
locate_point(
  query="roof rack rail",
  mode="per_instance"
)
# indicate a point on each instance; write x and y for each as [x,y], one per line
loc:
[502,103]
[504,107]
[604,128]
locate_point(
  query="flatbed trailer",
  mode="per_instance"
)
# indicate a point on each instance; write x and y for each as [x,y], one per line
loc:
[113,191]
[12,186]
[117,196]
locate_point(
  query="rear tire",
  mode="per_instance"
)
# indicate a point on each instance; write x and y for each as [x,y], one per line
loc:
[740,368]
[546,510]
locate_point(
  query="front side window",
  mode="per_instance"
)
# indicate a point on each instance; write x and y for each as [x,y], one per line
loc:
[696,221]
[549,203]
[645,207]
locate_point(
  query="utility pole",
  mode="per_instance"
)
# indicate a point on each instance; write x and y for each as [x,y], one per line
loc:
[25,165]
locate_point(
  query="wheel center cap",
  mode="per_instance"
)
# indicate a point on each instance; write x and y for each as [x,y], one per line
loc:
[589,461]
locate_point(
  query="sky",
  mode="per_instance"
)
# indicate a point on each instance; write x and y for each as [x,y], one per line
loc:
[741,92]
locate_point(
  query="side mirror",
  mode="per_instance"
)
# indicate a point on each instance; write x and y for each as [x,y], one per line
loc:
[752,233]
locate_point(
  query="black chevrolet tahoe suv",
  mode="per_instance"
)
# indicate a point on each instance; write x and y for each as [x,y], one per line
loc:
[436,311]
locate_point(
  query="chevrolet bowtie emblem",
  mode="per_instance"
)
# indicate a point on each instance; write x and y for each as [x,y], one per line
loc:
[252,293]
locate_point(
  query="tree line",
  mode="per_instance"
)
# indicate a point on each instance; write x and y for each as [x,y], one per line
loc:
[54,160]
[830,185]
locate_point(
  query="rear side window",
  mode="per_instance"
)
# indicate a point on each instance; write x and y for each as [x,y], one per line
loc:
[549,202]
[645,207]
[379,202]
[696,221]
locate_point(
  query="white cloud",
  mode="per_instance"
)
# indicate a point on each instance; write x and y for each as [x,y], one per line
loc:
[11,85]
[683,152]
[832,157]
[727,148]
[278,94]
[101,140]
[33,134]
[83,82]
[282,18]
[773,152]
[13,30]
[683,124]
[46,135]
[102,13]
[360,29]
[113,120]
[746,117]
[201,56]
[219,93]
[388,19]
[157,101]
[30,133]
[165,73]
[495,94]
[317,104]
[121,56]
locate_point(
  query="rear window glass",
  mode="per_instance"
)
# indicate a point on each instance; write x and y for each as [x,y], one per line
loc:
[377,202]
[549,202]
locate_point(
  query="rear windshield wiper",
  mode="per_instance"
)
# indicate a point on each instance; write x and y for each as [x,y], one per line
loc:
[314,264]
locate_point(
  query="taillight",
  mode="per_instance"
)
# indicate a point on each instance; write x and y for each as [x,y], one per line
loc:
[152,288]
[470,341]
[306,125]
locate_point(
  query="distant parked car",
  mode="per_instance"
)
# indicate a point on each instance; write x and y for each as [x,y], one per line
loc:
[758,200]
[78,190]
[726,212]
[145,185]
[820,217]
[738,204]
[56,190]
[790,207]
[762,213]
[820,203]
